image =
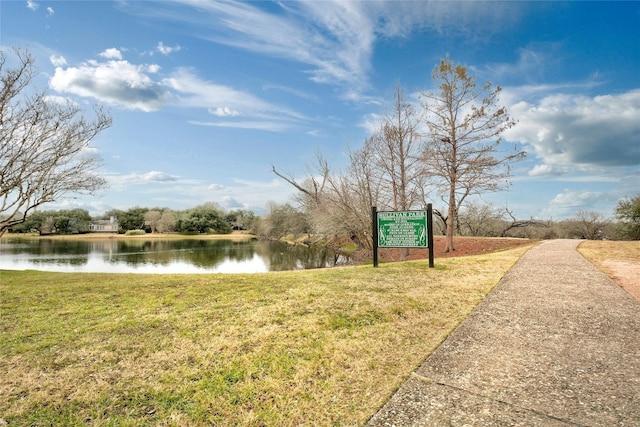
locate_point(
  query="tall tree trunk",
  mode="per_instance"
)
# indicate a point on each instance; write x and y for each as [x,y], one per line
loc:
[451,217]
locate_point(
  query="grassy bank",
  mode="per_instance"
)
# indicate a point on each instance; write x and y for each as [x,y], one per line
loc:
[598,251]
[321,347]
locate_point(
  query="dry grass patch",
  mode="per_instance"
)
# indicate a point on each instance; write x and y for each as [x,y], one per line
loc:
[601,250]
[619,260]
[321,347]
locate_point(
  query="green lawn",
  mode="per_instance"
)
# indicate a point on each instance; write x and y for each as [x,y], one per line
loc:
[321,347]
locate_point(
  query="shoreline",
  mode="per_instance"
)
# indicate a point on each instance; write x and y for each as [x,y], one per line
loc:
[236,236]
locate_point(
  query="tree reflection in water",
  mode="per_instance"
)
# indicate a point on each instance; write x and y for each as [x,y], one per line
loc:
[196,255]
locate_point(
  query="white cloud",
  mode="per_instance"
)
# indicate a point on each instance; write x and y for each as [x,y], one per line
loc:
[334,39]
[541,170]
[252,195]
[570,132]
[50,11]
[224,101]
[292,91]
[57,61]
[224,112]
[454,19]
[166,50]
[115,82]
[60,100]
[229,202]
[144,178]
[32,5]
[371,122]
[570,201]
[533,62]
[111,53]
[341,56]
[158,176]
[269,126]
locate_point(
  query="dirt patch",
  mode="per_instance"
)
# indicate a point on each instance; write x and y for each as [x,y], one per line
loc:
[626,274]
[620,260]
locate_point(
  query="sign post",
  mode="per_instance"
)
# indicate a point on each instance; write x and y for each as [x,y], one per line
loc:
[402,229]
[374,235]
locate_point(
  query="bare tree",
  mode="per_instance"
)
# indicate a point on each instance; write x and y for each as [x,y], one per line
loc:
[311,188]
[283,220]
[478,219]
[44,145]
[152,218]
[160,220]
[465,124]
[440,221]
[396,152]
[396,148]
[588,225]
[339,204]
[516,223]
[167,221]
[385,172]
[349,197]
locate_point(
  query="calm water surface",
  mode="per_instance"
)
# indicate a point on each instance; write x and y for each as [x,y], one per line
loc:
[161,256]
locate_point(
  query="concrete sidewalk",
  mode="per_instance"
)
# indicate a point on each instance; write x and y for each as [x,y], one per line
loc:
[556,343]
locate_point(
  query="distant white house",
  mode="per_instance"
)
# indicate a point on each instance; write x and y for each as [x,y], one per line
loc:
[110,225]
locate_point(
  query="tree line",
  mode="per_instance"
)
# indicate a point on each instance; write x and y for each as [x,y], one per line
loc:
[485,220]
[281,220]
[206,218]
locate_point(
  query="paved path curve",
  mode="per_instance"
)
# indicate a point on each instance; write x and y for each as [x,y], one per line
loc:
[556,343]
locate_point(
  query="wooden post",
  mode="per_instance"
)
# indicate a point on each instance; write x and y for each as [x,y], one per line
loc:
[430,233]
[374,234]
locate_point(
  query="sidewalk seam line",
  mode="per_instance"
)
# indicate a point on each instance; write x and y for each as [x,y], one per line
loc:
[432,381]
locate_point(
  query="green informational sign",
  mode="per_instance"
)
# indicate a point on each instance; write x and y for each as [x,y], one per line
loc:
[403,229]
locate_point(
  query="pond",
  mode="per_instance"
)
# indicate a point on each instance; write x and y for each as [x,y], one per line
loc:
[175,256]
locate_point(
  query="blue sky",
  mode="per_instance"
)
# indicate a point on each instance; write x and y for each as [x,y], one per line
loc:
[207,96]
